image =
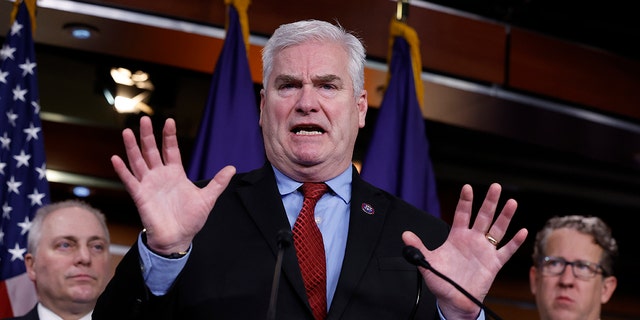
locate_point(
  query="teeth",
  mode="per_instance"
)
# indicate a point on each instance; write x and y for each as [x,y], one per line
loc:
[308,133]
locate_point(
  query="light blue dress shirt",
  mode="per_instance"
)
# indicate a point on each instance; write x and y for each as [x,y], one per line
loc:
[332,217]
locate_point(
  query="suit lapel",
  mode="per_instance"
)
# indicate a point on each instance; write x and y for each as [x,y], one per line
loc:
[259,194]
[367,215]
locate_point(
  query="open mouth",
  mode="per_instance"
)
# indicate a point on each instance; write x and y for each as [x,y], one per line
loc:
[307,130]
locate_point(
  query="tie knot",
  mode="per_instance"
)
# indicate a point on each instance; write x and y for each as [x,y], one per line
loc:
[314,190]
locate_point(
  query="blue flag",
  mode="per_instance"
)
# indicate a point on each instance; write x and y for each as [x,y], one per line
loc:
[229,133]
[397,158]
[23,184]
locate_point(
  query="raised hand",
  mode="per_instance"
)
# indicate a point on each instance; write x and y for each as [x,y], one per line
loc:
[172,209]
[469,257]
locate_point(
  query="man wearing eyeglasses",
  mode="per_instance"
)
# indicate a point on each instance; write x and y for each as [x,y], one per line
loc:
[572,272]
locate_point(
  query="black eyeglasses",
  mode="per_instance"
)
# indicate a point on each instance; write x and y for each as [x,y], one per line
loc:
[585,270]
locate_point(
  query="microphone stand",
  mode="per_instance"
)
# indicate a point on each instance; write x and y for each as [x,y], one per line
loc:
[284,238]
[412,315]
[415,257]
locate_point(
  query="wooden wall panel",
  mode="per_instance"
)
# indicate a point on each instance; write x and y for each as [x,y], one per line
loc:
[461,46]
[558,69]
[81,149]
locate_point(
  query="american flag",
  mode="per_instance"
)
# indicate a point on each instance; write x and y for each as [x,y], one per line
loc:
[23,184]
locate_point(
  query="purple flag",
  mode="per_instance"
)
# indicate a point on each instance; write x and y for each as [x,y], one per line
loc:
[397,159]
[23,184]
[229,133]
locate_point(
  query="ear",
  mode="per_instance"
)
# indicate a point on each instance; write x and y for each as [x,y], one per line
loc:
[609,285]
[262,98]
[532,279]
[29,263]
[363,106]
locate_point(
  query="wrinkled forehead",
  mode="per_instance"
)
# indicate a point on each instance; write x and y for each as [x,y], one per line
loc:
[572,244]
[72,222]
[312,60]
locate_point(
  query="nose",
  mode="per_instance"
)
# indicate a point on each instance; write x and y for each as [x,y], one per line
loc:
[83,255]
[307,101]
[567,275]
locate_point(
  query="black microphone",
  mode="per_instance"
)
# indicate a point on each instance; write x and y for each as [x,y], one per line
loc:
[415,257]
[284,239]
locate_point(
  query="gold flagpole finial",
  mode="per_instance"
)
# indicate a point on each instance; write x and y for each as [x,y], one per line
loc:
[242,6]
[402,10]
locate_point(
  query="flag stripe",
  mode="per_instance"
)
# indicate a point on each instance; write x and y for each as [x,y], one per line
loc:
[20,288]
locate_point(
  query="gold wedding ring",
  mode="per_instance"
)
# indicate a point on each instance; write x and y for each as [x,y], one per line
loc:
[491,239]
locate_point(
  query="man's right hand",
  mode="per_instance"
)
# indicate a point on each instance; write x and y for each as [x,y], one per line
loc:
[172,209]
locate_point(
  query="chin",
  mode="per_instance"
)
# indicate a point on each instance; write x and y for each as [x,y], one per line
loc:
[308,158]
[559,313]
[84,295]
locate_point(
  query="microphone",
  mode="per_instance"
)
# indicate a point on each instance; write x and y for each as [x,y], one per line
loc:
[415,257]
[284,239]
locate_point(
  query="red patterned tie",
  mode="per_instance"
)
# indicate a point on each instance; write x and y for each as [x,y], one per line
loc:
[310,250]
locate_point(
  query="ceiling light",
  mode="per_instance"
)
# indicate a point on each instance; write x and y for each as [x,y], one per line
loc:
[80,31]
[121,76]
[81,191]
[131,92]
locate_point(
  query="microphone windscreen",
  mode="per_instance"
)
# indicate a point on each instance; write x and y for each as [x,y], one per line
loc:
[284,238]
[414,256]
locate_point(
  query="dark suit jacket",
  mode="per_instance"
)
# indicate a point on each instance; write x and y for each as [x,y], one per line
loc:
[230,270]
[31,315]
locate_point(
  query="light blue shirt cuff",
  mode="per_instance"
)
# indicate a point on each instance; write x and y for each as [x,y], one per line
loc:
[480,316]
[158,272]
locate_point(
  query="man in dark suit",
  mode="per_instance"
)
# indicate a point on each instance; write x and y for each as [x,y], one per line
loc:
[67,259]
[209,251]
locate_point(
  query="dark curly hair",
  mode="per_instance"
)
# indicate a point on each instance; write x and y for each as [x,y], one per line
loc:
[589,225]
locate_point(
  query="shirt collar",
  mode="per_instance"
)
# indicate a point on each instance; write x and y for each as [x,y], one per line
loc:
[340,185]
[45,313]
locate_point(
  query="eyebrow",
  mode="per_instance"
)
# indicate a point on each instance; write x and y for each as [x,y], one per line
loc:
[319,79]
[98,238]
[327,78]
[76,239]
[285,79]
